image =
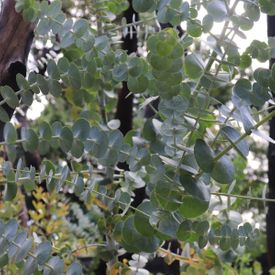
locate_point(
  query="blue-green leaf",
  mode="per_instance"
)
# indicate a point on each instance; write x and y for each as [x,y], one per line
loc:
[10,134]
[223,171]
[204,155]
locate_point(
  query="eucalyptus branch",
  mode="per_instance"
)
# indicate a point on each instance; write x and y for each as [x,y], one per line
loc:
[29,253]
[224,123]
[177,257]
[209,65]
[243,136]
[243,197]
[93,245]
[132,24]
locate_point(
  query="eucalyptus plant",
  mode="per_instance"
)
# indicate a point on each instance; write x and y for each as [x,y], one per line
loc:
[183,155]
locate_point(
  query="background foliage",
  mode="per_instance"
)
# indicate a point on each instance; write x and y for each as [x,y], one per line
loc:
[190,157]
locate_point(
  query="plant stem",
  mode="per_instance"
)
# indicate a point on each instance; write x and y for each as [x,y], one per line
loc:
[260,123]
[132,24]
[243,197]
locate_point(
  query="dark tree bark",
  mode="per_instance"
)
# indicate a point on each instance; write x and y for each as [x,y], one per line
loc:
[125,101]
[16,36]
[270,218]
[124,110]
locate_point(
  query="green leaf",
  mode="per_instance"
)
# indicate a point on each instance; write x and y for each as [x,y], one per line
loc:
[204,155]
[217,9]
[194,28]
[242,89]
[225,241]
[4,260]
[75,76]
[170,79]
[43,252]
[166,44]
[29,14]
[15,246]
[174,107]
[43,84]
[77,148]
[25,246]
[45,131]
[11,152]
[22,82]
[57,266]
[143,5]
[97,143]
[252,11]
[246,24]
[57,129]
[194,187]
[29,184]
[160,63]
[165,14]
[260,95]
[52,70]
[120,73]
[259,50]
[9,96]
[267,6]
[245,61]
[165,223]
[193,66]
[141,220]
[137,84]
[27,98]
[4,117]
[246,118]
[207,23]
[136,66]
[30,265]
[80,27]
[74,269]
[262,76]
[78,185]
[67,138]
[55,87]
[223,171]
[138,158]
[43,147]
[81,129]
[43,26]
[53,9]
[168,195]
[110,158]
[10,189]
[30,138]
[192,207]
[139,242]
[233,135]
[10,134]
[185,230]
[64,175]
[10,229]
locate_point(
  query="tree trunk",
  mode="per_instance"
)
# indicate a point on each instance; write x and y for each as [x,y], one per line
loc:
[125,101]
[16,36]
[270,218]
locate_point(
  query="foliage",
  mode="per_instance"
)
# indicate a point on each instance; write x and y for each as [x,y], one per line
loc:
[185,156]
